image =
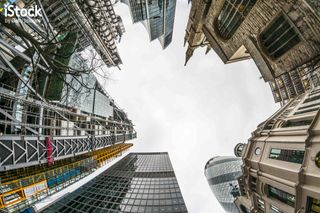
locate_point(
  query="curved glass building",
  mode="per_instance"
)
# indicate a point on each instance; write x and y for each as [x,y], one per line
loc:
[222,174]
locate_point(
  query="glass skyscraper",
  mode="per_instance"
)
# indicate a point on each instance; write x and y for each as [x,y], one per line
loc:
[156,15]
[140,182]
[222,174]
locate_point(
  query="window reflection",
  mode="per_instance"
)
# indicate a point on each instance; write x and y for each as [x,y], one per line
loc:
[137,183]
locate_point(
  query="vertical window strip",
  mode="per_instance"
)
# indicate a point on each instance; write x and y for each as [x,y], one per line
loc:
[293,39]
[225,13]
[274,42]
[261,205]
[279,37]
[237,19]
[253,184]
[271,33]
[232,15]
[235,12]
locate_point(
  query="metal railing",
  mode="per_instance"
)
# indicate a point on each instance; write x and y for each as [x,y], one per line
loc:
[23,192]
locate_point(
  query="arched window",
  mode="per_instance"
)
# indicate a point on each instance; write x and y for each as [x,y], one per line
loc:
[232,15]
[279,37]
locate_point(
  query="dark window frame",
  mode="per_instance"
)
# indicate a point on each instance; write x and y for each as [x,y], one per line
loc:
[232,14]
[295,33]
[312,202]
[291,156]
[281,195]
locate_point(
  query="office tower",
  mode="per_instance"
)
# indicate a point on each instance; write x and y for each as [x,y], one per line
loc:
[95,22]
[222,173]
[157,16]
[281,162]
[140,182]
[57,123]
[71,120]
[47,144]
[282,37]
[23,187]
[49,91]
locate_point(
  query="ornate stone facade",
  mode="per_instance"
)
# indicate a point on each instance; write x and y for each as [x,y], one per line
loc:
[281,162]
[239,30]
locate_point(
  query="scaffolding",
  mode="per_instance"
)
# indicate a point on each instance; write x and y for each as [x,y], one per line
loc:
[72,133]
[22,188]
[27,118]
[46,144]
[95,21]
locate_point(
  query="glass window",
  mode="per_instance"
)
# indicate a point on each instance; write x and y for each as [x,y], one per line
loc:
[260,204]
[316,80]
[313,205]
[275,209]
[293,123]
[279,37]
[315,4]
[293,156]
[313,98]
[232,15]
[282,196]
[253,183]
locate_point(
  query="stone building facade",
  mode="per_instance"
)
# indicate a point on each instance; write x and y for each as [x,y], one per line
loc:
[281,162]
[280,36]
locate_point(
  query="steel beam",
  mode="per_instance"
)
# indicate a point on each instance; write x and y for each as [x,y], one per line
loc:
[23,151]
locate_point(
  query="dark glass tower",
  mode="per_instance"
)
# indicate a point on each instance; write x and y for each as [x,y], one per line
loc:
[140,182]
[156,15]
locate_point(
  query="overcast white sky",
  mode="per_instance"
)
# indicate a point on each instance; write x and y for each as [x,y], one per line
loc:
[193,112]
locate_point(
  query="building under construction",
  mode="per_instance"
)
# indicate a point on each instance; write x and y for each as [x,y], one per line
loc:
[21,188]
[94,21]
[57,123]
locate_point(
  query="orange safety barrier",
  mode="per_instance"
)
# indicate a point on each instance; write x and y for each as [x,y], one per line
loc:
[23,188]
[21,192]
